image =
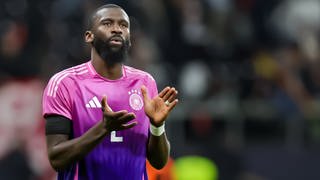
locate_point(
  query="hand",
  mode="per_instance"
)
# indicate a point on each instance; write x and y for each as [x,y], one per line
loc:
[157,109]
[115,121]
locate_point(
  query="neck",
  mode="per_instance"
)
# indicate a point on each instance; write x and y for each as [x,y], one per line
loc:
[109,71]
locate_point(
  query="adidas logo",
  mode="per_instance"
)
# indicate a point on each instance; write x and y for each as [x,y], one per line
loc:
[93,103]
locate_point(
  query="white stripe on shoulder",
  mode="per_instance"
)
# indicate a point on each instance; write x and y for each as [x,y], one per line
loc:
[62,77]
[53,83]
[89,64]
[137,71]
[53,80]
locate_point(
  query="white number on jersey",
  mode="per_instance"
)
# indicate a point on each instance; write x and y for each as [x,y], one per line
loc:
[115,138]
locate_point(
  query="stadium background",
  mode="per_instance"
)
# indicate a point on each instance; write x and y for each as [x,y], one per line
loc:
[246,70]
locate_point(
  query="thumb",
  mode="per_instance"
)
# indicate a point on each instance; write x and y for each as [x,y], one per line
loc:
[104,104]
[144,92]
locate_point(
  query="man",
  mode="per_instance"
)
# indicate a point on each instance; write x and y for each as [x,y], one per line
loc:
[98,113]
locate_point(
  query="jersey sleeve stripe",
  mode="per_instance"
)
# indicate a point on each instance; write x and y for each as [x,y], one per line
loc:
[53,86]
[62,77]
[136,71]
[124,71]
[53,80]
[55,77]
[53,93]
[90,68]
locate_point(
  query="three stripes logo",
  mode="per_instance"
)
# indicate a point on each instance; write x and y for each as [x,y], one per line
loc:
[93,103]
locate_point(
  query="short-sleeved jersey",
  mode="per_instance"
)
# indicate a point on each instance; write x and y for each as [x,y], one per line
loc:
[76,93]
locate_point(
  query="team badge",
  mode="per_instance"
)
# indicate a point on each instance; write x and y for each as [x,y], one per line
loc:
[135,100]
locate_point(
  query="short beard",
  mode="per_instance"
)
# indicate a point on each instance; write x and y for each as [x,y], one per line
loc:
[109,54]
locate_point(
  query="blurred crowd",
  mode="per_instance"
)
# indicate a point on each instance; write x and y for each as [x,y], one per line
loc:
[246,71]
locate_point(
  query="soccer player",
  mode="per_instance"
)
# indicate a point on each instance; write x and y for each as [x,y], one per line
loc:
[103,119]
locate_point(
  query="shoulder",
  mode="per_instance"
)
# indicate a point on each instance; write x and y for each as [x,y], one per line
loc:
[66,77]
[69,73]
[136,73]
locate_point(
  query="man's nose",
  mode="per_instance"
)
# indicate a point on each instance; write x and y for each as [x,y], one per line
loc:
[116,29]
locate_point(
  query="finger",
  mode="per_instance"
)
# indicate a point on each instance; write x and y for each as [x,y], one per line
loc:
[105,106]
[168,94]
[104,103]
[129,125]
[164,91]
[173,104]
[173,96]
[144,93]
[126,118]
[116,115]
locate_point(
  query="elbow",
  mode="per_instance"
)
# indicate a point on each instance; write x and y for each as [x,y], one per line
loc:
[159,164]
[56,165]
[158,155]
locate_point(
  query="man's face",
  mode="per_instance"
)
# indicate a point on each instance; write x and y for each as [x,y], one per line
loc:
[111,34]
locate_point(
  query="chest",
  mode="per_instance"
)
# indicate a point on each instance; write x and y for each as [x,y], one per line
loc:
[124,95]
[120,94]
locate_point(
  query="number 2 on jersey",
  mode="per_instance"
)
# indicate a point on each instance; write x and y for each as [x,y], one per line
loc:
[115,138]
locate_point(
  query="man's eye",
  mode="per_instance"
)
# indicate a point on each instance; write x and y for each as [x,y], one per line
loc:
[107,23]
[124,25]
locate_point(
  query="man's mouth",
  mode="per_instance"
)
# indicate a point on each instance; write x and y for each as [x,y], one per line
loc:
[116,40]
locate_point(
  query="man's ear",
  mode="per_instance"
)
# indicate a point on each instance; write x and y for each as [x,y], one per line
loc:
[89,36]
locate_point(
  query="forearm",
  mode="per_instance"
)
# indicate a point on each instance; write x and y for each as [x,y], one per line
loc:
[158,150]
[65,153]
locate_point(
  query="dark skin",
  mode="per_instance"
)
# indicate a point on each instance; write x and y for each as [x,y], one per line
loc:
[63,151]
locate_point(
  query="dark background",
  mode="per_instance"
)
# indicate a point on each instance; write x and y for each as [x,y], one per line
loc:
[246,71]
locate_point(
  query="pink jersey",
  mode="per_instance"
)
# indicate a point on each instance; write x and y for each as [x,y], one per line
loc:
[76,93]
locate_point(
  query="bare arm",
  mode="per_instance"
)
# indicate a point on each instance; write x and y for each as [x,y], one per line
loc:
[62,152]
[158,150]
[157,110]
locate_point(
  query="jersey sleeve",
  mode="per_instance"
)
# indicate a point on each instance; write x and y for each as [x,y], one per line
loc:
[56,99]
[152,86]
